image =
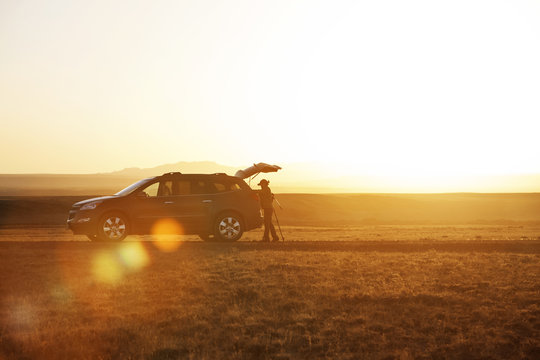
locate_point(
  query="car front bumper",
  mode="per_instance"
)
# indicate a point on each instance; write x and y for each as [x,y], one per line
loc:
[81,223]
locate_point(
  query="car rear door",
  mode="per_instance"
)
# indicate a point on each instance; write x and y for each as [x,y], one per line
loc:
[191,206]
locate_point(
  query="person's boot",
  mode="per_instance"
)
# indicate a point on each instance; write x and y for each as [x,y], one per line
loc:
[265,240]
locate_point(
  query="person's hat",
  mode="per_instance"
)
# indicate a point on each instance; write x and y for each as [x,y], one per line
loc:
[263,181]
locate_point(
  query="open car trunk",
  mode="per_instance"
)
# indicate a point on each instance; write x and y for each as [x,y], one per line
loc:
[256,169]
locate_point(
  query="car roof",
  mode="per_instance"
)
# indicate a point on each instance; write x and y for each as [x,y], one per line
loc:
[196,175]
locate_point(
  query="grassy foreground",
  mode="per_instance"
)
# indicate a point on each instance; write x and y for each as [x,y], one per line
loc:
[194,300]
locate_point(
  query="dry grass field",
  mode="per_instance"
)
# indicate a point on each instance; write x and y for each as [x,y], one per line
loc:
[374,292]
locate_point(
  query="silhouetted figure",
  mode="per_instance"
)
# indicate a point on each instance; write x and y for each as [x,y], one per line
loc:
[267,198]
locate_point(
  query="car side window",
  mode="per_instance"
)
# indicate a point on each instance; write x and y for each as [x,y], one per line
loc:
[166,188]
[198,187]
[221,186]
[151,190]
[239,185]
[184,187]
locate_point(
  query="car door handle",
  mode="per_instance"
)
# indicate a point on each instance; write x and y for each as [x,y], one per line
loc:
[207,201]
[168,202]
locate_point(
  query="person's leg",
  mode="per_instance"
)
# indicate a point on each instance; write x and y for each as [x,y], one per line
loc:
[271,225]
[267,223]
[273,231]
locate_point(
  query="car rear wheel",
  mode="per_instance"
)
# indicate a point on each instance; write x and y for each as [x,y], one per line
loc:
[228,227]
[207,237]
[113,227]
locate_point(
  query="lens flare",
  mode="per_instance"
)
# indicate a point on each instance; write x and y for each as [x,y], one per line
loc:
[107,269]
[22,314]
[133,255]
[61,294]
[161,232]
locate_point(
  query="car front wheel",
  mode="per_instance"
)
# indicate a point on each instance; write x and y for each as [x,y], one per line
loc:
[228,227]
[113,227]
[92,237]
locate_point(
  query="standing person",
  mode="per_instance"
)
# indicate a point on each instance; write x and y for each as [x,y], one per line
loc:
[267,198]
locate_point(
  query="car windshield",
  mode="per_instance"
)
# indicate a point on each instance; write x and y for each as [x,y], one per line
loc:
[132,187]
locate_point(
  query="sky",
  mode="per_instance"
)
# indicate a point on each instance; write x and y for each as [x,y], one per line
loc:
[390,88]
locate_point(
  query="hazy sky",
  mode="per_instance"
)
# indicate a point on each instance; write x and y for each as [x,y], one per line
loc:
[385,87]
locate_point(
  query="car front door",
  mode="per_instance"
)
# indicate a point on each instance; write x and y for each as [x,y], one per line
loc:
[152,205]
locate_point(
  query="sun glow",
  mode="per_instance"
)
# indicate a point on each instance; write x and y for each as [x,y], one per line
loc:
[134,256]
[110,267]
[162,235]
[376,88]
[107,269]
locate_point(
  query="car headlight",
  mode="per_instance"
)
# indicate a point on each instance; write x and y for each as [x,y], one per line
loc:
[90,206]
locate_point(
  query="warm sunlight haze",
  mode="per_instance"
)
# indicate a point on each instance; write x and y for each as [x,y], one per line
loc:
[409,91]
[269,179]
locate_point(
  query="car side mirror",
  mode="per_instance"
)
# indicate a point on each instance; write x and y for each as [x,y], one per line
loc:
[141,195]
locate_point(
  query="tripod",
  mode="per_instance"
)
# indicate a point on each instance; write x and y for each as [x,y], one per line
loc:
[277,220]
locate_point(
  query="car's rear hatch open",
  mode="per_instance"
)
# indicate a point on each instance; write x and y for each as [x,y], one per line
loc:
[255,169]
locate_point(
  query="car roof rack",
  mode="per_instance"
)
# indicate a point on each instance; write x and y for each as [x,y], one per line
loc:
[172,173]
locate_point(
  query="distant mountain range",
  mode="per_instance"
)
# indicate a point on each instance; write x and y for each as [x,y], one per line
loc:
[293,178]
[196,167]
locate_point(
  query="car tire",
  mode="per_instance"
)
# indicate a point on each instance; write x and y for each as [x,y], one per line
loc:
[228,227]
[207,237]
[92,237]
[113,227]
